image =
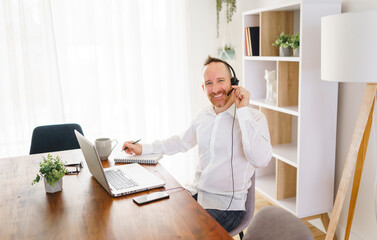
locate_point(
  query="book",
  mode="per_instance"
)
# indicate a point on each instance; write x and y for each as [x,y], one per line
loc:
[254,38]
[123,157]
[246,43]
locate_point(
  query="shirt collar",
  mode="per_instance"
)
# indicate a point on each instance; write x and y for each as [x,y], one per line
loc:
[230,110]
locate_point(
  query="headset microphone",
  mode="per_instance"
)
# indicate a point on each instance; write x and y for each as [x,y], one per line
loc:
[233,81]
[230,92]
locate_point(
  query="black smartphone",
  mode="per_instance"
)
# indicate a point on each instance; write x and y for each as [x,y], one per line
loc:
[150,197]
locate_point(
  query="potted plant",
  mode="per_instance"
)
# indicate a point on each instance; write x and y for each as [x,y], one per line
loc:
[226,53]
[295,44]
[52,171]
[230,9]
[284,43]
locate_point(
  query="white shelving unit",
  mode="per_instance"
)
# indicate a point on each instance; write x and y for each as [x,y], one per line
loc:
[300,177]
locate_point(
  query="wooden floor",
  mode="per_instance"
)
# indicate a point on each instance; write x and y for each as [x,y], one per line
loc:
[260,202]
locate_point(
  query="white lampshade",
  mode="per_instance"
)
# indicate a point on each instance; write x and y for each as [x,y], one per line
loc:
[349,47]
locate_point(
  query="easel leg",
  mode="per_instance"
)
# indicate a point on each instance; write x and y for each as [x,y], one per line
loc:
[355,148]
[325,221]
[358,173]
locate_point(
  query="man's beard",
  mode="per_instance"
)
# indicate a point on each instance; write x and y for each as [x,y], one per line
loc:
[221,103]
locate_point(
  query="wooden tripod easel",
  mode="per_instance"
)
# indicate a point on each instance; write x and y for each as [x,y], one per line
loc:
[355,159]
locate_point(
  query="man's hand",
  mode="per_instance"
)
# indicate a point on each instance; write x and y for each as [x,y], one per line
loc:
[132,148]
[241,96]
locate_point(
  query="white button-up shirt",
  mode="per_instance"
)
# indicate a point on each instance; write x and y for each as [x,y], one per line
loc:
[213,134]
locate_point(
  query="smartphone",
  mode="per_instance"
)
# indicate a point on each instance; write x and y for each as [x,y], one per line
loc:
[150,197]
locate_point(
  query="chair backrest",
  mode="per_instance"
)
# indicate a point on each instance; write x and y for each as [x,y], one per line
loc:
[272,223]
[52,138]
[249,205]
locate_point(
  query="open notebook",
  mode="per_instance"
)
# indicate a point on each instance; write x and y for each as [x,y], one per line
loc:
[123,157]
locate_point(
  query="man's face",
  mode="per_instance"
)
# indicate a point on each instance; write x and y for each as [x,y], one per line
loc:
[216,77]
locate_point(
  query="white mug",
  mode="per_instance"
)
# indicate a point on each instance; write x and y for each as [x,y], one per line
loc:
[103,146]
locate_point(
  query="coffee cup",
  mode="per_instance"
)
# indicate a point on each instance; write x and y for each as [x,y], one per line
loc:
[104,147]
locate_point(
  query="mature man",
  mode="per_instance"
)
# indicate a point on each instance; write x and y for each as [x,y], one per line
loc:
[232,138]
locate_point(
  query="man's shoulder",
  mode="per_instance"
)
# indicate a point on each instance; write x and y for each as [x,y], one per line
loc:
[250,111]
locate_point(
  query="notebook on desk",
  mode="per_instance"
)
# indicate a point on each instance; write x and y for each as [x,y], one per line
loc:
[118,180]
[123,157]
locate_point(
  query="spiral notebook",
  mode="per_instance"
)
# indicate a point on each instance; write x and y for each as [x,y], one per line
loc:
[142,159]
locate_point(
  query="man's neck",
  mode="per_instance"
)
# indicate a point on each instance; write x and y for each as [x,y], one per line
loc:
[224,108]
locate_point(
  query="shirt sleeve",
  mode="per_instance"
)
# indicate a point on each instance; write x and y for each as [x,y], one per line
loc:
[174,144]
[255,136]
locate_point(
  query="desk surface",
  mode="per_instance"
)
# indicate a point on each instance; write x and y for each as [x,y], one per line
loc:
[84,210]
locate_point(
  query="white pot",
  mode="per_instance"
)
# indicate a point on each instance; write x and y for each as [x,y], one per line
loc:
[296,52]
[56,188]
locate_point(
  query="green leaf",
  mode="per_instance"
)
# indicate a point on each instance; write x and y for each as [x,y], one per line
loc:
[52,169]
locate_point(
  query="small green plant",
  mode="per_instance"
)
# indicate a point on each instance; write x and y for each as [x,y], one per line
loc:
[52,169]
[287,40]
[226,48]
[295,41]
[284,41]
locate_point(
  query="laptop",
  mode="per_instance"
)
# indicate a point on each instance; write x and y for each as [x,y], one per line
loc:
[118,180]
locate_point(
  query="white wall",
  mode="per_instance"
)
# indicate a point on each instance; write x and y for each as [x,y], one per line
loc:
[204,42]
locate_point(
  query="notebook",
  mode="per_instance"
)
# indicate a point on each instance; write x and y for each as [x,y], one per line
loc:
[123,157]
[118,180]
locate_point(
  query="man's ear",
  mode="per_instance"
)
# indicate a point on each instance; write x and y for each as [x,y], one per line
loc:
[203,88]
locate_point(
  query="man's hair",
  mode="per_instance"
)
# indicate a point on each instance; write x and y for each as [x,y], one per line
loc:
[212,59]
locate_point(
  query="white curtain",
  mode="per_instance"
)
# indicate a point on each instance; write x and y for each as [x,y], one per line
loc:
[118,68]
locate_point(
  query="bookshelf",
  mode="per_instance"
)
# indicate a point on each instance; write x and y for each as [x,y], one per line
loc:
[302,124]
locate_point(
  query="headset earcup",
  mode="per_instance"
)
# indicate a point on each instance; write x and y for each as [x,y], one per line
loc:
[234,81]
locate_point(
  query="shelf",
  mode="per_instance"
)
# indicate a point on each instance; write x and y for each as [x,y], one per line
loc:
[302,143]
[272,58]
[291,110]
[292,6]
[286,153]
[266,185]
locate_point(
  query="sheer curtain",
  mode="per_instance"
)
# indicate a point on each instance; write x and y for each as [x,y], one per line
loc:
[118,68]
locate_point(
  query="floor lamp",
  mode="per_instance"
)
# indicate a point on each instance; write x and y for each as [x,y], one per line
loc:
[348,54]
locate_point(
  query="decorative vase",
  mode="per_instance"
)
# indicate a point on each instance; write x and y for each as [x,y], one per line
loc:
[296,52]
[285,52]
[226,54]
[56,188]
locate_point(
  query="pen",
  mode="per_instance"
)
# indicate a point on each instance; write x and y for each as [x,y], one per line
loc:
[132,143]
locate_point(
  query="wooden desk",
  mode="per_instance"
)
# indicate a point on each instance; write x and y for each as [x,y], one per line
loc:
[84,210]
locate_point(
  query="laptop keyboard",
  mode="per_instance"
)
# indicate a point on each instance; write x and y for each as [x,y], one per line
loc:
[117,179]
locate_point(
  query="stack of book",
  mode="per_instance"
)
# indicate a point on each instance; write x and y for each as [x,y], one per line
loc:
[252,41]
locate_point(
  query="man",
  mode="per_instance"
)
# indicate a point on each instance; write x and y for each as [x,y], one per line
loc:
[232,138]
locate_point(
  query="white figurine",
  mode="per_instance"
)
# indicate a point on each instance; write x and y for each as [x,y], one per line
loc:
[271,86]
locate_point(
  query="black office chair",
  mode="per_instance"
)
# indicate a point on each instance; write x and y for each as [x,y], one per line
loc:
[53,138]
